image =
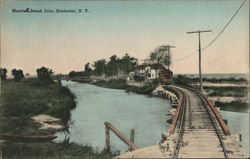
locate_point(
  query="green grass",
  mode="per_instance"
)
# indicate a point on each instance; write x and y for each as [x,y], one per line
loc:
[113,83]
[179,78]
[225,80]
[141,90]
[186,81]
[22,100]
[50,150]
[122,84]
[228,91]
[235,106]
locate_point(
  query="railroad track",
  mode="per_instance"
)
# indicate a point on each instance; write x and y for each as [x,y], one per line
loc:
[199,134]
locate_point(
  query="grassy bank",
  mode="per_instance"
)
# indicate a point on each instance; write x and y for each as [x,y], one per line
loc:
[188,80]
[184,80]
[240,91]
[235,106]
[122,84]
[22,100]
[237,92]
[51,150]
[113,83]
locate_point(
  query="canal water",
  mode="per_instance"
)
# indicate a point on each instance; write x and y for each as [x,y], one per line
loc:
[96,105]
[239,124]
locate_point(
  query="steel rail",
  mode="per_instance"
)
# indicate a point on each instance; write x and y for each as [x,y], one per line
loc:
[182,122]
[206,103]
[178,109]
[224,127]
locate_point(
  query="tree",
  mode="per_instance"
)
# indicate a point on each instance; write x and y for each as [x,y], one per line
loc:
[18,75]
[87,69]
[112,66]
[3,73]
[161,55]
[127,63]
[44,74]
[167,61]
[100,67]
[72,74]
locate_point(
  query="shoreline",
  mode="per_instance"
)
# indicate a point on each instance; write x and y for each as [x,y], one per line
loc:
[163,109]
[23,137]
[226,103]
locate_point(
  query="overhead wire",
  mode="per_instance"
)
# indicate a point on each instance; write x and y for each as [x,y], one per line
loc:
[223,28]
[185,57]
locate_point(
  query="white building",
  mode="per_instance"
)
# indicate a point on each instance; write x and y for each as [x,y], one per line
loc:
[150,71]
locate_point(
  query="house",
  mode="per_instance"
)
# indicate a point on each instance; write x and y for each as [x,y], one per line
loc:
[150,71]
[165,76]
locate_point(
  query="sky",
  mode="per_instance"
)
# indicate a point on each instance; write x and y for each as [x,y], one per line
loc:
[66,41]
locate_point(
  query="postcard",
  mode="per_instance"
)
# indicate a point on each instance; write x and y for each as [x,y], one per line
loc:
[124,79]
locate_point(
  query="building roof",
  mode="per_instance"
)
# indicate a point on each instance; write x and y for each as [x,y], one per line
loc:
[152,66]
[165,71]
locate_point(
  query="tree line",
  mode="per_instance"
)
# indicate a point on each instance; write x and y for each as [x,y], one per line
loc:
[44,74]
[112,67]
[115,65]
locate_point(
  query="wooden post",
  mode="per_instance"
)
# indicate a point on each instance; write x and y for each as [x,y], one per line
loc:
[163,138]
[120,135]
[107,138]
[132,135]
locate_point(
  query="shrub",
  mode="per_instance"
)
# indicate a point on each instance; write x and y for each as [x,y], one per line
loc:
[138,78]
[18,75]
[3,72]
[64,150]
[44,75]
[182,80]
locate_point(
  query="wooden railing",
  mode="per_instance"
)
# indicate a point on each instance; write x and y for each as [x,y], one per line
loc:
[129,142]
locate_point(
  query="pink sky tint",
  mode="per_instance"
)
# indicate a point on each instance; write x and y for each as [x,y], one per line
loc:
[65,42]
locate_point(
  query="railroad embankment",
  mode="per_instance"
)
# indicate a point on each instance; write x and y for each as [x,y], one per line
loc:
[196,130]
[229,94]
[157,151]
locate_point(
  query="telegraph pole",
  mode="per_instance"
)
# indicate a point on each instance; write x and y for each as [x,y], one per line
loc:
[201,86]
[168,51]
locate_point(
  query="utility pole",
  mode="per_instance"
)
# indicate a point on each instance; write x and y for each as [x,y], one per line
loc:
[168,51]
[199,31]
